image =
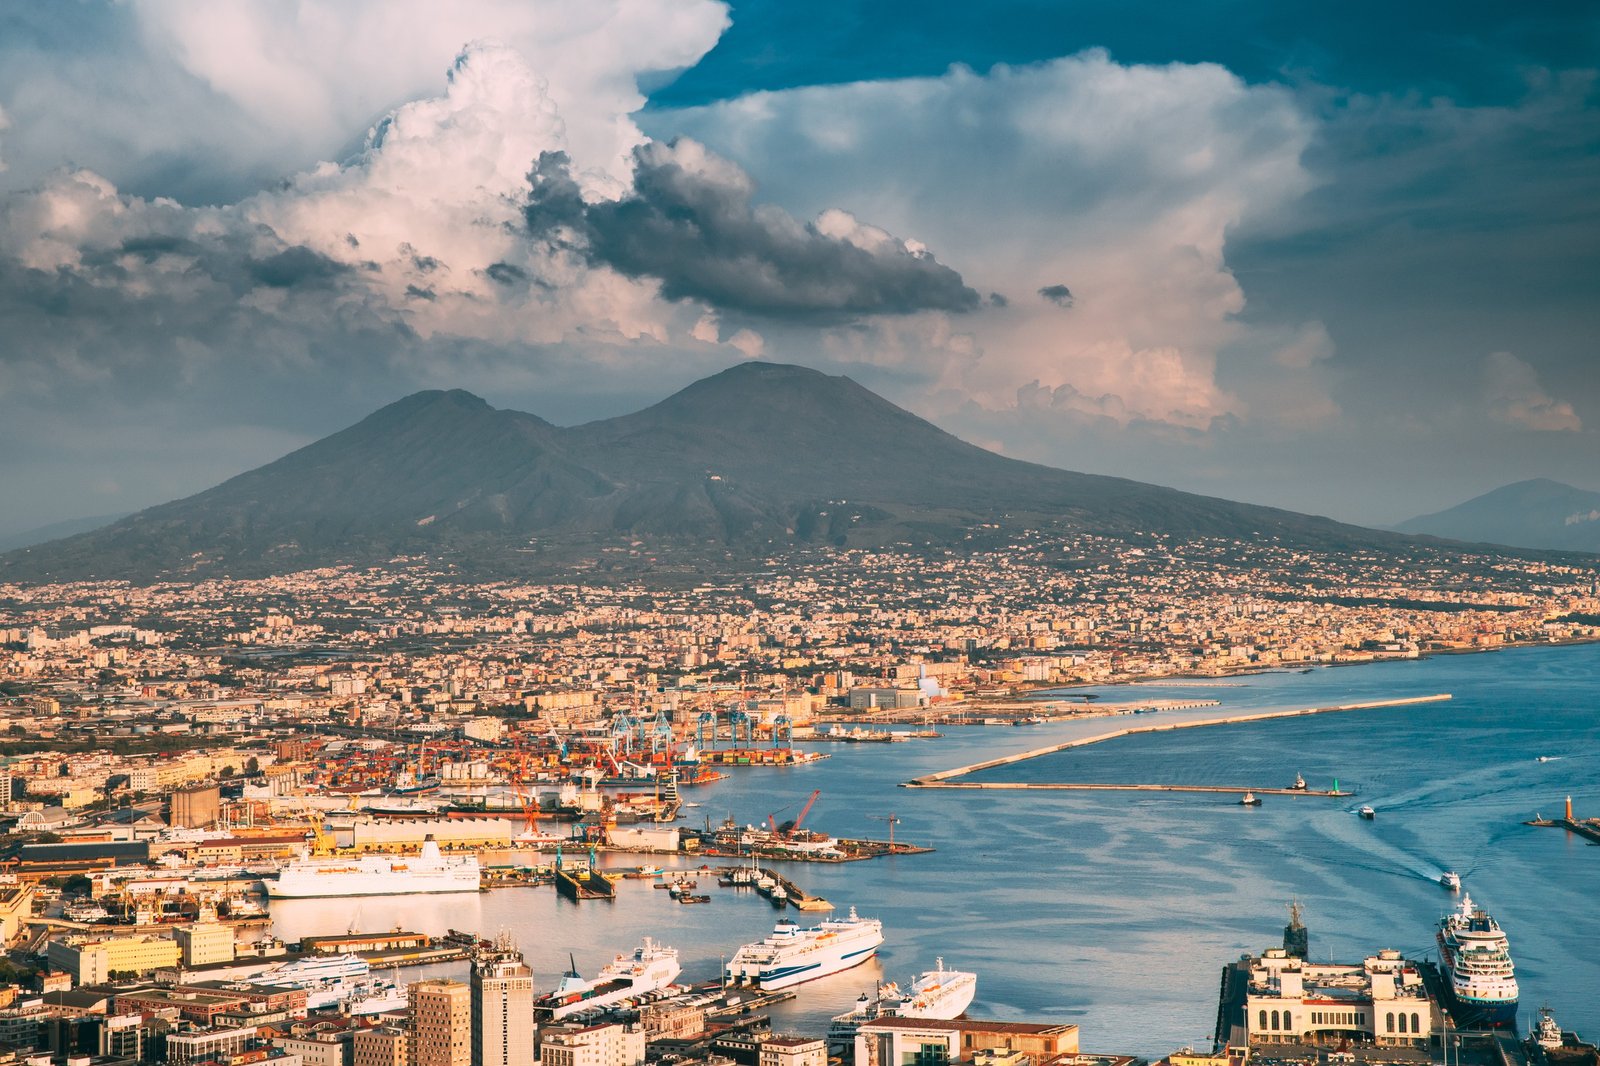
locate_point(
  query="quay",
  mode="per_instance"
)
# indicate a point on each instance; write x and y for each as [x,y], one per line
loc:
[1058,786]
[1101,738]
[1588,828]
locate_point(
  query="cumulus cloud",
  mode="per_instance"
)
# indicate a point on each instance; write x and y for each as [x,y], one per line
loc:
[1125,179]
[219,97]
[1516,397]
[690,222]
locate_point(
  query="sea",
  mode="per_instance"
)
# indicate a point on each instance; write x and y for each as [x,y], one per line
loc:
[1118,910]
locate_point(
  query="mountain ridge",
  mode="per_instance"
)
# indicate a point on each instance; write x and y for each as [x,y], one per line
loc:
[1537,513]
[755,459]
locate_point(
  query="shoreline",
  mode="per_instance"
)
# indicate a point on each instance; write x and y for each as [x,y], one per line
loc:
[936,780]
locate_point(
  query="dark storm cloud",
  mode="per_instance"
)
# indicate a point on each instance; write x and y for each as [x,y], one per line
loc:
[295,266]
[1059,295]
[690,222]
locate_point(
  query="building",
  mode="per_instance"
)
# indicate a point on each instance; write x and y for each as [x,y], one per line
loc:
[204,943]
[319,1043]
[441,1024]
[1381,1000]
[215,1043]
[592,1045]
[92,961]
[502,1009]
[794,1051]
[672,1021]
[16,906]
[927,1042]
[196,807]
[387,1045]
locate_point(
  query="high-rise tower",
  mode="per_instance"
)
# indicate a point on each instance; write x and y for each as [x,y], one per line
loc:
[502,1007]
[441,1024]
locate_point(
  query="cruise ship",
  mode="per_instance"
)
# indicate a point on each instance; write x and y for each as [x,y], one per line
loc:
[377,875]
[939,993]
[649,968]
[1476,961]
[792,955]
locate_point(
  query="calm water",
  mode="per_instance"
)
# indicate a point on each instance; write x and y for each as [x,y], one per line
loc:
[1118,910]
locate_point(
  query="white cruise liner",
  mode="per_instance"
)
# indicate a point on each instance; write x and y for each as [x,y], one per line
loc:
[377,875]
[1476,960]
[792,955]
[649,968]
[939,993]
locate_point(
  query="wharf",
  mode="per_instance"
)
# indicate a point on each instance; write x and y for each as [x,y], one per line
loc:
[744,1003]
[1060,786]
[1162,727]
[798,897]
[1588,828]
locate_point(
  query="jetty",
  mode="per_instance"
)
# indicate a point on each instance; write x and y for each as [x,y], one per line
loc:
[1068,786]
[935,779]
[1588,828]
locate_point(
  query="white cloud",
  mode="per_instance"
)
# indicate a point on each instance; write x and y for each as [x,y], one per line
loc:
[1515,396]
[1120,182]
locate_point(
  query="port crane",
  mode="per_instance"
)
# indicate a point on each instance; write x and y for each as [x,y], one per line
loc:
[892,820]
[790,828]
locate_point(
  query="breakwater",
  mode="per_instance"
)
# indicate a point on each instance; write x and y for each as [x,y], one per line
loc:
[937,779]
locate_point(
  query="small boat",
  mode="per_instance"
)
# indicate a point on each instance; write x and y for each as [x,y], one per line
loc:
[1368,813]
[1450,880]
[1299,783]
[1547,758]
[1250,799]
[687,898]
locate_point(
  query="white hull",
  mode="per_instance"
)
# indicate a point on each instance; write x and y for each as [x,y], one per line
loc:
[649,968]
[793,956]
[377,875]
[941,995]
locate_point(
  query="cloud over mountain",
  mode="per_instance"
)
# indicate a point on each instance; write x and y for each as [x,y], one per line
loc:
[690,222]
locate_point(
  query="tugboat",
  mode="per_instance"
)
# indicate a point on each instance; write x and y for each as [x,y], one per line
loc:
[1299,783]
[1546,1034]
[1250,799]
[1368,813]
[1450,880]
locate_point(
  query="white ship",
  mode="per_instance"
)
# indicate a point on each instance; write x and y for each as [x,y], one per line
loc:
[792,955]
[649,968]
[377,875]
[1475,959]
[939,994]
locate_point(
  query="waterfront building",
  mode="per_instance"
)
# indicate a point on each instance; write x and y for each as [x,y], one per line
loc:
[441,1024]
[502,1008]
[1381,1000]
[593,1045]
[204,943]
[92,961]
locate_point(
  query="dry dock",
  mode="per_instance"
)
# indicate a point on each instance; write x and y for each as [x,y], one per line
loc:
[934,780]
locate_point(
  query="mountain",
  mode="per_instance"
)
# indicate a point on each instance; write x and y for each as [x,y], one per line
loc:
[757,458]
[54,531]
[1528,514]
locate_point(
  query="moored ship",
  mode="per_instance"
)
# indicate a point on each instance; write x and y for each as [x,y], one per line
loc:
[792,955]
[649,968]
[938,994]
[1475,959]
[377,875]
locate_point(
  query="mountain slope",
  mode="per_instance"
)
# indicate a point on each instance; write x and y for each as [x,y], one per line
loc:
[748,461]
[1538,513]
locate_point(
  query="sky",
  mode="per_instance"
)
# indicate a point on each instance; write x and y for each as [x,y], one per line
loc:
[1343,259]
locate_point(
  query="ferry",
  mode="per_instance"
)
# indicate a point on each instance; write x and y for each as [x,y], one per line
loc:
[649,968]
[1475,960]
[378,875]
[1450,880]
[937,994]
[792,955]
[1368,813]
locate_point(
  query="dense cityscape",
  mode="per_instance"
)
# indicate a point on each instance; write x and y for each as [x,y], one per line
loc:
[180,756]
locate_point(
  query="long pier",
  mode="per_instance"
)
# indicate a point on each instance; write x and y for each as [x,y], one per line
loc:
[1064,786]
[933,780]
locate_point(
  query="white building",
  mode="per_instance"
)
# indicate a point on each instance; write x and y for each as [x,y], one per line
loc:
[1381,1001]
[593,1045]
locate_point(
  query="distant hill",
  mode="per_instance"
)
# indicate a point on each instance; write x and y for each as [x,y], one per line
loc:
[749,461]
[54,531]
[1528,514]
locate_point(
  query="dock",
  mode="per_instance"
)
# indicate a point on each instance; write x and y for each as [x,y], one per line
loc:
[1062,786]
[584,884]
[1162,727]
